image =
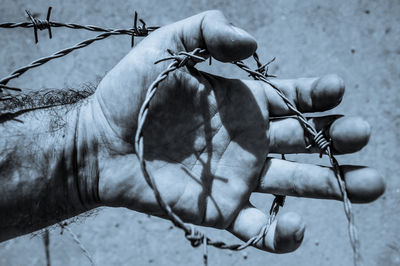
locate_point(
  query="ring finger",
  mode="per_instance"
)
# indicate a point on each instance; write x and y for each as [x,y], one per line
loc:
[284,177]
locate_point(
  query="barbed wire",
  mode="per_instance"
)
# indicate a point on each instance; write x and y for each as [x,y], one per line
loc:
[261,73]
[38,24]
[136,31]
[195,237]
[47,24]
[180,60]
[325,148]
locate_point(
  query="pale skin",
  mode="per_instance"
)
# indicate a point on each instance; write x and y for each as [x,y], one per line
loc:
[207,142]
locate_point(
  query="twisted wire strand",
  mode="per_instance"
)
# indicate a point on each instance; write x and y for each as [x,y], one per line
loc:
[36,23]
[46,24]
[279,200]
[195,237]
[179,61]
[140,31]
[55,24]
[325,148]
[41,61]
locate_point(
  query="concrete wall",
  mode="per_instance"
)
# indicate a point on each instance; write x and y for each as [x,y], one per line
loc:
[358,40]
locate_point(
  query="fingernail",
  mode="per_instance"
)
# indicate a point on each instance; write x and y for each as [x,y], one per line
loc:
[239,30]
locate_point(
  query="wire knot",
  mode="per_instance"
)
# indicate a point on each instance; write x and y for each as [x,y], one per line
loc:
[321,142]
[263,68]
[194,236]
[278,202]
[182,58]
[140,31]
[40,23]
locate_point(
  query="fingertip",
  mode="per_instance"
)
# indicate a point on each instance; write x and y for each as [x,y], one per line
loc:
[349,134]
[289,232]
[364,184]
[246,41]
[223,40]
[327,92]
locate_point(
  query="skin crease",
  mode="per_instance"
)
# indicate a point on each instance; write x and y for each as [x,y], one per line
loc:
[207,138]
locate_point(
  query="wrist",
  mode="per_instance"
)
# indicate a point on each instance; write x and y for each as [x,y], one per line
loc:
[84,154]
[96,144]
[48,169]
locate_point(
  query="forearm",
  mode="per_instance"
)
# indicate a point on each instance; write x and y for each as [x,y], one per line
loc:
[46,168]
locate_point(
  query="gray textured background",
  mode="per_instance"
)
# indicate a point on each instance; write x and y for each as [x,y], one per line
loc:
[358,40]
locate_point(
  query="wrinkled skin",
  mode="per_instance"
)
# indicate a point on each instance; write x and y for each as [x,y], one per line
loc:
[207,138]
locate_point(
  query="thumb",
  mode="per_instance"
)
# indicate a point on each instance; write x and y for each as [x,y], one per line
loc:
[210,30]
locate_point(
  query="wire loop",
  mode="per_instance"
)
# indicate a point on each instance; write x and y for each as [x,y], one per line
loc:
[180,60]
[325,148]
[195,237]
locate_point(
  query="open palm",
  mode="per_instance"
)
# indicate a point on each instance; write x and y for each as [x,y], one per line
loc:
[207,138]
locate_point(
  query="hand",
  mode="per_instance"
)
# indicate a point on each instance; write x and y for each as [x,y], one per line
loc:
[207,138]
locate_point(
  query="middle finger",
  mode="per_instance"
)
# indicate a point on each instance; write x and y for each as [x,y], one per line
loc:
[347,134]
